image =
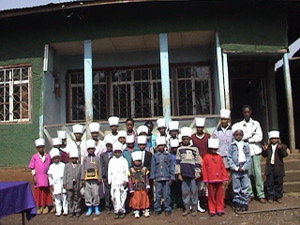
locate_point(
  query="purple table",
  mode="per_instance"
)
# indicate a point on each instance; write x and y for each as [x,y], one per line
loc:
[16,197]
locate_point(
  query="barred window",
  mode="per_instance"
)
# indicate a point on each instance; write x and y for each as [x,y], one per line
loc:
[137,93]
[15,94]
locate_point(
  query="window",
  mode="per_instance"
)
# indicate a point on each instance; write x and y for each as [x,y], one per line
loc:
[15,94]
[137,92]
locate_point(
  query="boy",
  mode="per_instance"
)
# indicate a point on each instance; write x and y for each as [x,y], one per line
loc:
[57,143]
[130,140]
[56,174]
[72,183]
[129,123]
[188,169]
[104,161]
[100,145]
[162,173]
[274,171]
[91,178]
[239,161]
[39,165]
[214,175]
[200,138]
[78,143]
[173,131]
[113,125]
[62,134]
[151,137]
[118,179]
[162,128]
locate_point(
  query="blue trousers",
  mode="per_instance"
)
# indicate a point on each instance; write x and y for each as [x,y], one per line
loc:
[162,189]
[189,193]
[240,185]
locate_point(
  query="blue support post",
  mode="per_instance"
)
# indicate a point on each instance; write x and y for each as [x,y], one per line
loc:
[88,81]
[165,79]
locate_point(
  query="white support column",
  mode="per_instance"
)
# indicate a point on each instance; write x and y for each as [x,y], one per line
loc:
[88,81]
[220,72]
[288,88]
[226,81]
[165,80]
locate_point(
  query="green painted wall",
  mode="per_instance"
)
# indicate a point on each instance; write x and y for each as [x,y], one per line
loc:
[243,27]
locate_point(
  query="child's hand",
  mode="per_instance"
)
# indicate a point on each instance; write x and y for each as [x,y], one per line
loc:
[240,169]
[180,177]
[265,147]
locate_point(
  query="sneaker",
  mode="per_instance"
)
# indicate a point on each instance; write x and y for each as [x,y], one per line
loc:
[270,200]
[168,213]
[65,213]
[194,213]
[121,215]
[116,216]
[212,214]
[58,214]
[262,200]
[220,213]
[45,210]
[279,200]
[244,208]
[146,213]
[185,213]
[136,214]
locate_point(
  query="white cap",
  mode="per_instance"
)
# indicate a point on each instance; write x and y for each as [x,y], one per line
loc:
[160,141]
[78,128]
[54,152]
[142,139]
[118,146]
[113,121]
[186,132]
[174,125]
[73,153]
[109,140]
[142,129]
[274,134]
[200,122]
[39,142]
[62,134]
[236,127]
[130,139]
[161,123]
[225,113]
[94,127]
[56,141]
[90,144]
[213,143]
[174,142]
[122,133]
[137,155]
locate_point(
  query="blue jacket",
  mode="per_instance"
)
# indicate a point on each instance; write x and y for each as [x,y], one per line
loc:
[162,167]
[233,157]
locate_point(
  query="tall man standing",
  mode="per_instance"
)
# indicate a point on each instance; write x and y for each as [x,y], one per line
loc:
[253,136]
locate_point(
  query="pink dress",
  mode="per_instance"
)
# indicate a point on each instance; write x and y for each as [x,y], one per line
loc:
[41,168]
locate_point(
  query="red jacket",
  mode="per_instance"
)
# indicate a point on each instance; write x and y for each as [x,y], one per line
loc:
[213,169]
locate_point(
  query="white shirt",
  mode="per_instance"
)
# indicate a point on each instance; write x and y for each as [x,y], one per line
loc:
[56,174]
[273,153]
[117,171]
[242,157]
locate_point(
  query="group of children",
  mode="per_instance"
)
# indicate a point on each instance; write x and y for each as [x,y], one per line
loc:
[139,171]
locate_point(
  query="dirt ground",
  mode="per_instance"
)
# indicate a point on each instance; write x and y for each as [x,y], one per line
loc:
[278,213]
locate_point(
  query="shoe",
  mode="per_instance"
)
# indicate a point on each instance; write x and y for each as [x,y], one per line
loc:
[279,200]
[174,206]
[220,213]
[185,212]
[168,213]
[89,211]
[244,208]
[116,216]
[270,200]
[65,213]
[39,211]
[136,214]
[194,212]
[237,206]
[199,208]
[146,213]
[212,214]
[97,210]
[45,210]
[156,213]
[58,214]
[262,200]
[121,215]
[77,215]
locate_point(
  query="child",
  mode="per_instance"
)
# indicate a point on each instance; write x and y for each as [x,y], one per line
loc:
[130,140]
[151,137]
[100,145]
[239,161]
[176,195]
[113,125]
[104,161]
[78,143]
[139,186]
[162,128]
[214,174]
[57,143]
[146,155]
[62,134]
[118,179]
[143,131]
[129,123]
[188,169]
[39,165]
[200,138]
[162,173]
[56,174]
[91,178]
[274,152]
[122,138]
[72,183]
[173,131]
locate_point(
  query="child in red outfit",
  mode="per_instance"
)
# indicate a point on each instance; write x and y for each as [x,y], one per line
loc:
[214,174]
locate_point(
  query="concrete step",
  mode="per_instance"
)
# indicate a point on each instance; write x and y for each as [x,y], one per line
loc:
[290,175]
[293,164]
[291,186]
